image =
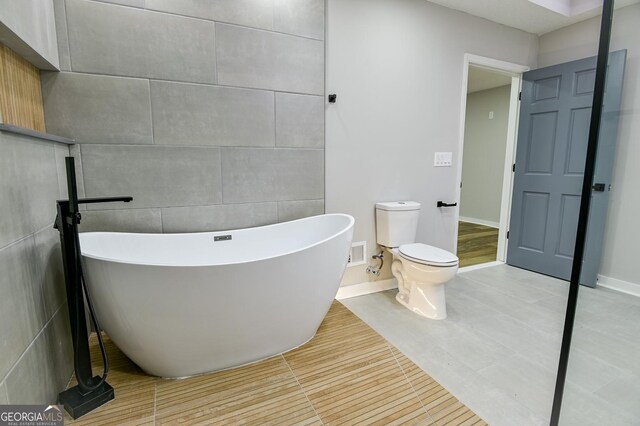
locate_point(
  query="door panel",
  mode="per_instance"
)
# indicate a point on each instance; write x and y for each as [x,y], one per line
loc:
[535,206]
[578,139]
[541,143]
[555,116]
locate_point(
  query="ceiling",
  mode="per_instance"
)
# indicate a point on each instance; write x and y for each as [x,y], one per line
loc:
[483,79]
[522,14]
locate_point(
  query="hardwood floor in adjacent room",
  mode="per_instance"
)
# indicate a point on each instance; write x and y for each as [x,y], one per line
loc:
[476,243]
[347,374]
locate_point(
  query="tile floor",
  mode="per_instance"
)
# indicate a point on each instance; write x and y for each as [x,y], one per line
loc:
[347,374]
[498,349]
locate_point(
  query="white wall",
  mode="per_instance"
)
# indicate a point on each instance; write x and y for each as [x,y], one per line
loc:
[396,66]
[485,143]
[28,28]
[620,258]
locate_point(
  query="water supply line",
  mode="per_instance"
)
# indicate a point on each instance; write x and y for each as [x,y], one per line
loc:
[82,383]
[372,269]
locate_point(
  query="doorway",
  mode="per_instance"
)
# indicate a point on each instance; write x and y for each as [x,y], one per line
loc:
[488,134]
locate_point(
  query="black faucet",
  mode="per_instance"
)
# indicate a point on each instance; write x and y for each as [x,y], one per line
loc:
[90,392]
[72,215]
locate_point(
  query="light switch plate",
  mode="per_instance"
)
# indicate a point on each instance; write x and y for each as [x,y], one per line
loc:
[443,159]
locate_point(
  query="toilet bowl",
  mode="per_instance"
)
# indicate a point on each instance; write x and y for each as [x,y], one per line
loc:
[422,272]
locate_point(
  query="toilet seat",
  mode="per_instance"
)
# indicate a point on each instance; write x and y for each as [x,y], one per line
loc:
[427,255]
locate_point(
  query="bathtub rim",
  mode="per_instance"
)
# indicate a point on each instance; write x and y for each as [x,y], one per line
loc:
[349,226]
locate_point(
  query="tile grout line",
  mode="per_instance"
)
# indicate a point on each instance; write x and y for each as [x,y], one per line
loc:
[302,389]
[151,115]
[209,146]
[153,143]
[242,203]
[30,345]
[407,379]
[66,22]
[275,120]
[275,136]
[221,174]
[155,402]
[215,51]
[30,235]
[191,82]
[183,15]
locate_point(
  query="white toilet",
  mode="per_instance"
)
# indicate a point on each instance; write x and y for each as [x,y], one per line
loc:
[421,270]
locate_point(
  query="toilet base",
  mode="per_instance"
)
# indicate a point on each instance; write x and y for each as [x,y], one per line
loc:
[432,306]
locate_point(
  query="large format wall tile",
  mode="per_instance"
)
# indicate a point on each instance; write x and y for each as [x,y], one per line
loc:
[299,121]
[132,3]
[154,176]
[251,175]
[45,368]
[96,108]
[22,314]
[108,39]
[61,151]
[61,34]
[195,114]
[301,17]
[251,13]
[291,210]
[28,184]
[129,220]
[266,60]
[49,270]
[219,217]
[4,397]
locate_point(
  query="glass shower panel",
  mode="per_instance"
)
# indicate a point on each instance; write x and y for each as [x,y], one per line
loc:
[603,375]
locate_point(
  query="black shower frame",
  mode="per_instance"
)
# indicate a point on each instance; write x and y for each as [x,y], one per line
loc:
[585,201]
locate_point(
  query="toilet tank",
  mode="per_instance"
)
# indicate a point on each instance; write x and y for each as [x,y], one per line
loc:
[397,223]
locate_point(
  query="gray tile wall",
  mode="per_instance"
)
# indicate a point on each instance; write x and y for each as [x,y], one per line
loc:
[4,397]
[263,59]
[250,13]
[97,108]
[193,114]
[35,349]
[109,39]
[301,17]
[209,113]
[271,174]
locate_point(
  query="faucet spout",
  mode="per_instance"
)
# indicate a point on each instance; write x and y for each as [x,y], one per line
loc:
[105,200]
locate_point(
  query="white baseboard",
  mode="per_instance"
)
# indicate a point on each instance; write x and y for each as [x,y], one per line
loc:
[368,287]
[619,285]
[479,266]
[479,221]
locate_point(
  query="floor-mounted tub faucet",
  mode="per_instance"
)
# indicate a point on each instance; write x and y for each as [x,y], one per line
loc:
[90,392]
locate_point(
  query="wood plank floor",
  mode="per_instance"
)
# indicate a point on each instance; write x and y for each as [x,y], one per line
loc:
[476,244]
[346,375]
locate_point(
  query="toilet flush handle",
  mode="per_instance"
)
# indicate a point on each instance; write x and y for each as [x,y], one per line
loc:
[443,204]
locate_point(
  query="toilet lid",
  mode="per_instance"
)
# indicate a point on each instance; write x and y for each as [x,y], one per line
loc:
[428,255]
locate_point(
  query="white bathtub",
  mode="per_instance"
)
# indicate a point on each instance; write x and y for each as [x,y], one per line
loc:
[183,304]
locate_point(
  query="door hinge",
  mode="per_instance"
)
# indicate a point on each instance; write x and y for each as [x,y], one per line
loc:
[513,168]
[520,96]
[460,184]
[507,235]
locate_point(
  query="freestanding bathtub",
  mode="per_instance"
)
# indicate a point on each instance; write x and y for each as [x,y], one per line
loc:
[179,305]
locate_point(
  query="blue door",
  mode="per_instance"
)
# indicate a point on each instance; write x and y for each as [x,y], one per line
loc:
[555,114]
